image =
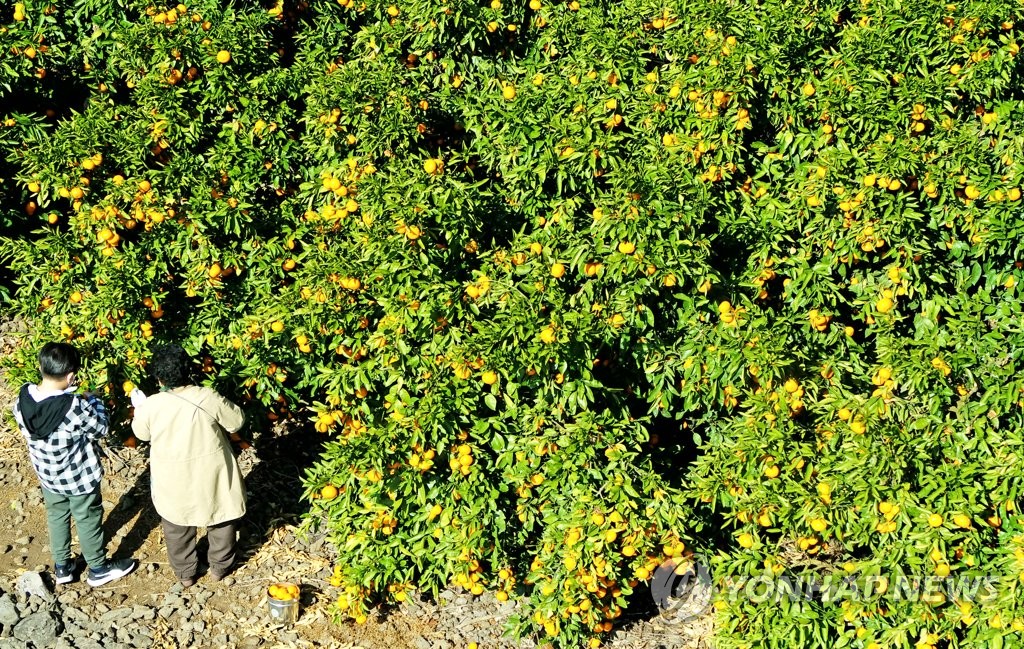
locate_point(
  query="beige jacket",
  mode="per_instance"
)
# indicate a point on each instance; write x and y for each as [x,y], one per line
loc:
[195,479]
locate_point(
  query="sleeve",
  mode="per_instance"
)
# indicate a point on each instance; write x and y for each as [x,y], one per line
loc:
[93,416]
[229,415]
[140,424]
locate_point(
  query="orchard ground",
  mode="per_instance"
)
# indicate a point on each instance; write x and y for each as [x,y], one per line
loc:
[234,613]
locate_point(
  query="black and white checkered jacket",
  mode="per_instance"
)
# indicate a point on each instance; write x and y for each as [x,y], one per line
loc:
[67,462]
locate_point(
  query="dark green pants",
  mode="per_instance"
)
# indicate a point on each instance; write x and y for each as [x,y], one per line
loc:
[88,512]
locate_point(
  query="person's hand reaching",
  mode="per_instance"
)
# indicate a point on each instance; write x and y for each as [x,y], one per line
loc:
[138,397]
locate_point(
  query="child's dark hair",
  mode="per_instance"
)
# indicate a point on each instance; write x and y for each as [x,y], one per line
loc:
[57,360]
[171,366]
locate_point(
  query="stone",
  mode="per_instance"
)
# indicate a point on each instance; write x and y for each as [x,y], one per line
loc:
[422,643]
[8,611]
[41,629]
[115,615]
[31,583]
[80,618]
[173,600]
[68,597]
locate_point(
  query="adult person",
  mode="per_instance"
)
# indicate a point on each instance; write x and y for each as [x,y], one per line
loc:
[195,479]
[62,430]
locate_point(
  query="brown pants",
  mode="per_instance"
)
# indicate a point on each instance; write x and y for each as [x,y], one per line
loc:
[181,548]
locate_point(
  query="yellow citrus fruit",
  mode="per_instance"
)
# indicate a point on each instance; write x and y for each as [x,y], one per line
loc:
[548,335]
[329,492]
[223,56]
[489,377]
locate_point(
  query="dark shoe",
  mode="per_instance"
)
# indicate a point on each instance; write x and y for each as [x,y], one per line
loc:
[111,571]
[65,572]
[218,575]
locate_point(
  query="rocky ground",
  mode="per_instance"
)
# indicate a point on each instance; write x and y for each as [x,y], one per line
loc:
[150,609]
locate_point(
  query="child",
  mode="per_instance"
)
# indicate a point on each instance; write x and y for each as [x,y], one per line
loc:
[62,430]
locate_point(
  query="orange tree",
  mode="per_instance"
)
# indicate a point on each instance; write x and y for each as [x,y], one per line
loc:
[577,288]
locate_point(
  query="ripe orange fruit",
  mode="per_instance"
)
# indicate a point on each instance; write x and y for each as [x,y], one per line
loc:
[76,297]
[627,248]
[223,56]
[884,305]
[214,271]
[393,11]
[548,335]
[557,270]
[145,186]
[489,377]
[509,92]
[329,492]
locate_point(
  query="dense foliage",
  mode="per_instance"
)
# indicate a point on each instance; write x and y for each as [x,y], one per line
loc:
[572,288]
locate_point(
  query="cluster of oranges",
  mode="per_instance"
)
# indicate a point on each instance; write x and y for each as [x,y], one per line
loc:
[283,591]
[462,459]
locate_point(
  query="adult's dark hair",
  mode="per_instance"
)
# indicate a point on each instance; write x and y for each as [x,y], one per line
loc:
[171,366]
[57,360]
